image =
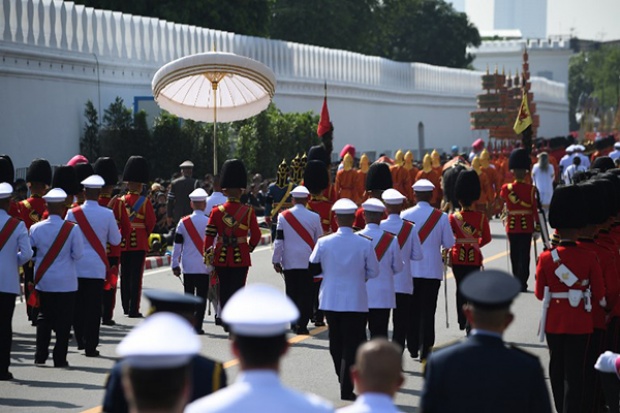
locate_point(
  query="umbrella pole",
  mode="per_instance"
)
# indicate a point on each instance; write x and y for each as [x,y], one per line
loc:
[214,128]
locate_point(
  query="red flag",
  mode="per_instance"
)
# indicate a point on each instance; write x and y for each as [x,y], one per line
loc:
[324,123]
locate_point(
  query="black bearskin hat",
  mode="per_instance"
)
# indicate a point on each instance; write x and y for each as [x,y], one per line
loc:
[378,177]
[467,188]
[603,163]
[599,205]
[233,174]
[136,170]
[66,179]
[519,159]
[614,191]
[7,171]
[568,208]
[39,170]
[316,178]
[106,168]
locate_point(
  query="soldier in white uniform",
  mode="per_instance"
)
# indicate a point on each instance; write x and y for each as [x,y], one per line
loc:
[615,154]
[59,246]
[347,261]
[187,254]
[435,234]
[406,234]
[259,316]
[216,198]
[381,293]
[14,251]
[297,232]
[98,227]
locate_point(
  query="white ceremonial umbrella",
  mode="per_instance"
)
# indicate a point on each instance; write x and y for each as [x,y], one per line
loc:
[212,87]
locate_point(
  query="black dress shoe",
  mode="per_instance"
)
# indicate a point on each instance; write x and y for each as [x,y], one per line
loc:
[39,362]
[135,315]
[200,332]
[108,322]
[92,353]
[319,323]
[348,396]
[302,331]
[6,376]
[218,321]
[63,364]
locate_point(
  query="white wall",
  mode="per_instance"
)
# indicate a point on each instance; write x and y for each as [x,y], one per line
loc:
[56,56]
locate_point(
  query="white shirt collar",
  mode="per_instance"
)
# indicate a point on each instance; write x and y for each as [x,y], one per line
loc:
[381,400]
[345,230]
[259,377]
[478,331]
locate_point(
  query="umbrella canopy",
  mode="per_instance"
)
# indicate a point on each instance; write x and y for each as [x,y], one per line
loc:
[185,86]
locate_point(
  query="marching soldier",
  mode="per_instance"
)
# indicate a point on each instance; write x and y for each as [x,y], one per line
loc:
[522,219]
[401,178]
[435,233]
[187,254]
[65,179]
[346,261]
[278,197]
[106,168]
[380,290]
[31,211]
[82,171]
[216,198]
[570,283]
[59,246]
[378,179]
[297,232]
[15,251]
[471,232]
[227,232]
[178,201]
[360,182]
[316,180]
[408,240]
[428,173]
[135,246]
[346,179]
[99,228]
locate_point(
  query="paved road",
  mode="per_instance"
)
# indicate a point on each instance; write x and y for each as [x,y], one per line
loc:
[307,366]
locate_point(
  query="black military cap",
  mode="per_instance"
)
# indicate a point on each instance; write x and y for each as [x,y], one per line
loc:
[106,168]
[233,174]
[316,178]
[136,170]
[7,171]
[83,171]
[172,301]
[614,194]
[378,177]
[519,159]
[568,208]
[467,187]
[603,163]
[490,289]
[600,203]
[65,179]
[39,170]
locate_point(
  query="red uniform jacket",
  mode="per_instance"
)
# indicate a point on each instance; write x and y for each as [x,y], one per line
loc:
[323,207]
[607,261]
[471,232]
[14,209]
[142,222]
[228,228]
[31,210]
[122,220]
[562,318]
[522,207]
[360,219]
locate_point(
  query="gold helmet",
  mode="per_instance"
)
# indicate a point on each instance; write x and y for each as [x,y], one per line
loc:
[282,174]
[348,162]
[475,164]
[302,167]
[294,169]
[364,163]
[485,158]
[427,163]
[436,162]
[399,158]
[408,160]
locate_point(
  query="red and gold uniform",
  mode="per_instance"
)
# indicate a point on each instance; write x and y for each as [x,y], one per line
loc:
[435,179]
[322,206]
[346,184]
[401,179]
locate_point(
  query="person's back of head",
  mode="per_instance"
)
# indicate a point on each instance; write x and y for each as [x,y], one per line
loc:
[577,161]
[157,389]
[378,367]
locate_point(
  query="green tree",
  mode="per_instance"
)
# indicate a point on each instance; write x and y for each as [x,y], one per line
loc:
[89,144]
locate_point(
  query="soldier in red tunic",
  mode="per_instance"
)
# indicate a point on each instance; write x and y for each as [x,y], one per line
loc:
[471,232]
[570,283]
[106,168]
[31,211]
[228,229]
[522,219]
[135,245]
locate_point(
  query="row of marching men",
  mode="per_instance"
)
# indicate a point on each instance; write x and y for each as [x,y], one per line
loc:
[70,241]
[578,281]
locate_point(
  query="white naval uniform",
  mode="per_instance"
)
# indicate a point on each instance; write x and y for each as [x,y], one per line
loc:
[380,290]
[371,403]
[615,154]
[16,252]
[411,251]
[258,391]
[291,251]
[566,161]
[347,261]
[103,223]
[585,161]
[61,276]
[441,236]
[215,199]
[185,253]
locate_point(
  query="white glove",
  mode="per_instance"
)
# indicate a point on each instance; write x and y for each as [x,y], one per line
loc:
[603,302]
[606,362]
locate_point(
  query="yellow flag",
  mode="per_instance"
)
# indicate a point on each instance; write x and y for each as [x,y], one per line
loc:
[524,119]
